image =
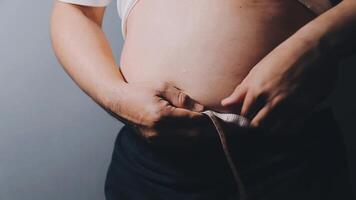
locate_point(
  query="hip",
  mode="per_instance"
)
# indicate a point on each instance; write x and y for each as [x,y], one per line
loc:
[309,161]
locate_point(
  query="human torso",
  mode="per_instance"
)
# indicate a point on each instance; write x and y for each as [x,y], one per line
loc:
[205,47]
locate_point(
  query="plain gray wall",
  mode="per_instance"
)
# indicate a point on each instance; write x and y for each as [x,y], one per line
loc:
[55,142]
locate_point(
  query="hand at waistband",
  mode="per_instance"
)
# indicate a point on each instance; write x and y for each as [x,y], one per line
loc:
[285,86]
[159,111]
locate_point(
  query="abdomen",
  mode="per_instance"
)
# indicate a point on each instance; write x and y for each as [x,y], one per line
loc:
[205,47]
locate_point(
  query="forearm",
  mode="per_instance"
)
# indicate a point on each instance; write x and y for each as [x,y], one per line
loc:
[81,47]
[333,32]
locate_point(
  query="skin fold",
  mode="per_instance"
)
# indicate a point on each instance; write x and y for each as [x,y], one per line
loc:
[205,47]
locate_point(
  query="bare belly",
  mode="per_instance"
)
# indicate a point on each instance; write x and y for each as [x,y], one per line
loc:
[205,47]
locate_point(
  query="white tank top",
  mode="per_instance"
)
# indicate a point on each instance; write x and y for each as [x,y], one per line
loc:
[125,6]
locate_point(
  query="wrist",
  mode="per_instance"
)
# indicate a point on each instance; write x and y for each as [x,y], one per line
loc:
[113,95]
[310,45]
[332,33]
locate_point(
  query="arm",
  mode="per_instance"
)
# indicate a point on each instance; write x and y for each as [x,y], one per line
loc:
[332,33]
[300,72]
[82,49]
[85,54]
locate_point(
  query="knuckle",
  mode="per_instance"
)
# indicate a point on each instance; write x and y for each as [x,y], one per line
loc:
[260,87]
[166,111]
[162,105]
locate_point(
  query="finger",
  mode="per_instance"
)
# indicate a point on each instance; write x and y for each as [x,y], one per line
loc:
[259,103]
[247,103]
[262,115]
[197,107]
[257,121]
[275,115]
[181,100]
[236,97]
[183,113]
[181,116]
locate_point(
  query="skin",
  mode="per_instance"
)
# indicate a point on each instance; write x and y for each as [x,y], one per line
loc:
[285,86]
[84,52]
[200,46]
[172,104]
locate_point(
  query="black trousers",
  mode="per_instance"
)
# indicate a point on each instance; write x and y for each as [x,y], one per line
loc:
[309,165]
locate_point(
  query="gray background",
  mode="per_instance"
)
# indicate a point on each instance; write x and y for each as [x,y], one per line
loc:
[55,142]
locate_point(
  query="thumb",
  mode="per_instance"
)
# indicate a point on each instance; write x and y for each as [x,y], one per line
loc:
[181,100]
